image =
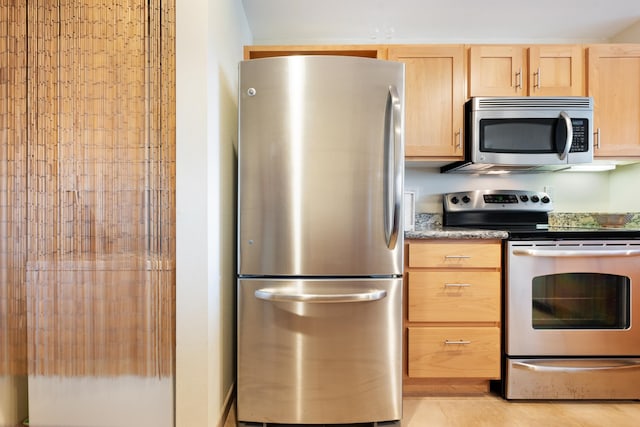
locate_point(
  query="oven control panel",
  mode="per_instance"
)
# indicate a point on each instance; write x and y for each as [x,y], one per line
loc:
[497,200]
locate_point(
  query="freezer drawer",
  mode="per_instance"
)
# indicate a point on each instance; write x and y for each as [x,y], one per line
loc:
[319,351]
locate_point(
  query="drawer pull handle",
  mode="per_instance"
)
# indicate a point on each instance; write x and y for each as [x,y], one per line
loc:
[457,285]
[456,342]
[457,257]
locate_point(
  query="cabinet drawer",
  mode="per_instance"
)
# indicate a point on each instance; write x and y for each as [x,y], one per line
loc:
[454,255]
[450,352]
[454,296]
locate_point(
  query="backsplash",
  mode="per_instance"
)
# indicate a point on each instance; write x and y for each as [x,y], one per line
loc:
[588,220]
[426,220]
[570,191]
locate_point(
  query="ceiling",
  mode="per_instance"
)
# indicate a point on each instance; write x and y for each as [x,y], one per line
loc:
[433,21]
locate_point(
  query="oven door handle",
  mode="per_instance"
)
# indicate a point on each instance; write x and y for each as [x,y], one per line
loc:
[580,365]
[568,253]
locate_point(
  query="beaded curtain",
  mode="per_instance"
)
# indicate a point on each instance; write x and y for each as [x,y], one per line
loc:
[90,265]
[13,187]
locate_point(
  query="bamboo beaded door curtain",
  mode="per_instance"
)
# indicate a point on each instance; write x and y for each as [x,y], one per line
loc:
[87,187]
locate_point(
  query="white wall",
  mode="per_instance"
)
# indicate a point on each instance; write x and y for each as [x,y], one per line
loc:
[209,40]
[630,34]
[122,401]
[570,191]
[624,189]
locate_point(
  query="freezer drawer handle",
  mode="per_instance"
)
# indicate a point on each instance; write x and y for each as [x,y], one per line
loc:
[562,366]
[457,285]
[286,295]
[456,342]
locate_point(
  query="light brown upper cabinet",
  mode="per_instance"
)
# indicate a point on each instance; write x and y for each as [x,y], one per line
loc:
[434,99]
[613,80]
[517,70]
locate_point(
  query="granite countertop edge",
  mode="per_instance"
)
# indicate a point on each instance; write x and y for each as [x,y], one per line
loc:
[429,226]
[455,233]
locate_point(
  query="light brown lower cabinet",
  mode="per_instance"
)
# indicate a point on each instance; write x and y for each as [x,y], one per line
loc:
[452,316]
[454,352]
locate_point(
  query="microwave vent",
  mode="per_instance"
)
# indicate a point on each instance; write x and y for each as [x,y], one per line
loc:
[529,103]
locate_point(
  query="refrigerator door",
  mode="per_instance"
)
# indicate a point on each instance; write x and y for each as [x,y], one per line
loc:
[319,351]
[321,162]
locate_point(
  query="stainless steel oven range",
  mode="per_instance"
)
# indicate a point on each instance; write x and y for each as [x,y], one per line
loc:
[571,299]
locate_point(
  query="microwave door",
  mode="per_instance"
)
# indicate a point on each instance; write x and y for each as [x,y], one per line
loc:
[564,135]
[528,139]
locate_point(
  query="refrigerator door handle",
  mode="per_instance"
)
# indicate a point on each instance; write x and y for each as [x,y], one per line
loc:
[289,295]
[394,125]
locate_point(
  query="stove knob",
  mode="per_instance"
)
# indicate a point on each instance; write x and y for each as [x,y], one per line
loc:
[466,199]
[535,199]
[454,200]
[524,198]
[545,199]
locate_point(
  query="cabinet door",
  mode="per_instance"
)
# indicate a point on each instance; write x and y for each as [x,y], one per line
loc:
[613,80]
[497,70]
[454,255]
[556,70]
[434,99]
[454,296]
[454,352]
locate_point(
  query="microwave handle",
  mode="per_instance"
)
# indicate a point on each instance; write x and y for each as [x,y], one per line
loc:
[564,118]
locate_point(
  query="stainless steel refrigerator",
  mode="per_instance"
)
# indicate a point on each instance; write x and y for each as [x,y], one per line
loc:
[320,240]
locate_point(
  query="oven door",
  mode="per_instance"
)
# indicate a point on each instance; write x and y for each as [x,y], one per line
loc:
[572,298]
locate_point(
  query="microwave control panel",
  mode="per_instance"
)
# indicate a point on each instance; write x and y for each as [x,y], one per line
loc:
[580,143]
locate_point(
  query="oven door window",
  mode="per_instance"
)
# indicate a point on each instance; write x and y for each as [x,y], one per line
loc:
[581,301]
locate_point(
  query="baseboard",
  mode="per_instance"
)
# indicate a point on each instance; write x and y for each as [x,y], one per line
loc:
[228,404]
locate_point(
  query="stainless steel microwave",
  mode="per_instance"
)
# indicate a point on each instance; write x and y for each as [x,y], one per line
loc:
[526,134]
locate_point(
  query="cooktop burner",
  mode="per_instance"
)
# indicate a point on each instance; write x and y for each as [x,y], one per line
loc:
[523,214]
